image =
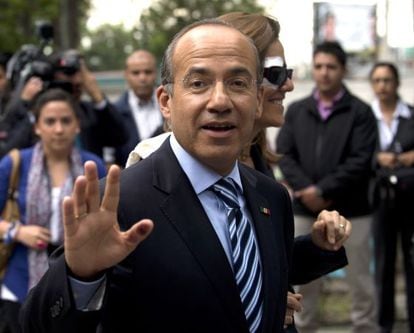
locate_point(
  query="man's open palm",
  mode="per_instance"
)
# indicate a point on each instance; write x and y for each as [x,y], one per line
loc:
[93,240]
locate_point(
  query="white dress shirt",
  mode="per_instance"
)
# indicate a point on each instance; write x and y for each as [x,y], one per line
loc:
[146,114]
[88,296]
[388,132]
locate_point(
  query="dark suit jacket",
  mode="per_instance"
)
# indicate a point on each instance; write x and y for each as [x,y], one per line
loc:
[381,188]
[101,127]
[122,151]
[309,262]
[334,154]
[179,279]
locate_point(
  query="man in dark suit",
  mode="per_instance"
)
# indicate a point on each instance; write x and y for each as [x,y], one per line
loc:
[183,277]
[138,105]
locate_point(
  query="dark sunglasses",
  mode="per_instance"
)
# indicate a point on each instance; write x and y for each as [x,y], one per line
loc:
[277,75]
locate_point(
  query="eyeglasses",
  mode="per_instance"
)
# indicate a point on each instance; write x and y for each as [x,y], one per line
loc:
[277,75]
[204,85]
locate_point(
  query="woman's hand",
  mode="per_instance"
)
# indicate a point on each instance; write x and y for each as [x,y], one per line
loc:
[33,236]
[406,159]
[387,159]
[293,305]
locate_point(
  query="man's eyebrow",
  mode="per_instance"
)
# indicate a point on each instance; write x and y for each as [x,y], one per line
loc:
[238,70]
[196,70]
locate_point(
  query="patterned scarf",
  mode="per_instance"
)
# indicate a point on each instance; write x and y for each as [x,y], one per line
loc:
[38,204]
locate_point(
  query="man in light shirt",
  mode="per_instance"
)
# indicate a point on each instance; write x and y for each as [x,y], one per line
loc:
[188,275]
[138,105]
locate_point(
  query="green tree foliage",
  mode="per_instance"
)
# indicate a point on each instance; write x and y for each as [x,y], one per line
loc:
[160,22]
[18,17]
[108,46]
[17,21]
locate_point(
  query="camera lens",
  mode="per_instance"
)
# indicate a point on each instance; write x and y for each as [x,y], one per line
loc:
[69,63]
[69,70]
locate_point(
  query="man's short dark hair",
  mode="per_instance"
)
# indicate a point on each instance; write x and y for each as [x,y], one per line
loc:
[333,48]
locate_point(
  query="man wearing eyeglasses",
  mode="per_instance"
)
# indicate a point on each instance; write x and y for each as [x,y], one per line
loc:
[327,143]
[215,255]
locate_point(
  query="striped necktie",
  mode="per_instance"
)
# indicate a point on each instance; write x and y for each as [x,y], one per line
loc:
[246,264]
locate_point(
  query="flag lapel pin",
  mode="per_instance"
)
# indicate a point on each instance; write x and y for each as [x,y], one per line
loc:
[265,210]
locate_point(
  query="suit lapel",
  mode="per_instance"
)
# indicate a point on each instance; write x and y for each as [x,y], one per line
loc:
[405,127]
[184,211]
[268,250]
[127,113]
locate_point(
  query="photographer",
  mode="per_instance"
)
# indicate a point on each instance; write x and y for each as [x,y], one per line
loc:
[101,124]
[16,122]
[4,58]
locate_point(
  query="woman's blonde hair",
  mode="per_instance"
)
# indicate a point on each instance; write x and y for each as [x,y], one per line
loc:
[263,30]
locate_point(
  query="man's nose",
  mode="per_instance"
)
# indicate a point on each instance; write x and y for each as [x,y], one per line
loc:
[324,70]
[219,99]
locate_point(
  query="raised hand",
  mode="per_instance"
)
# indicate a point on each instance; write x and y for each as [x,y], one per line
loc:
[93,240]
[31,88]
[330,230]
[90,84]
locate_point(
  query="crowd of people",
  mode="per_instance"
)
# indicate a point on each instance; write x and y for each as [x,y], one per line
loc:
[190,231]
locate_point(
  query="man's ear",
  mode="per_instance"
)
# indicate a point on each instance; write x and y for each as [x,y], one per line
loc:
[164,99]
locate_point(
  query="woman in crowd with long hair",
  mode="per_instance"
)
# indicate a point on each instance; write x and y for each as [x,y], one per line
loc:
[46,174]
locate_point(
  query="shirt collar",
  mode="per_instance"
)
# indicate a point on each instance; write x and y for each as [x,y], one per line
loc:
[401,110]
[336,98]
[193,168]
[137,101]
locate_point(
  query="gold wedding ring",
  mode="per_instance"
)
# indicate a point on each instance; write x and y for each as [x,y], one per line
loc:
[81,216]
[341,225]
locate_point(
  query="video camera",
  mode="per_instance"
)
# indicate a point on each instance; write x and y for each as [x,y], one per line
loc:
[31,61]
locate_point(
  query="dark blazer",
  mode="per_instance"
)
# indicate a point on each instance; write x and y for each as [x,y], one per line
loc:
[334,154]
[122,151]
[101,127]
[402,142]
[393,224]
[179,279]
[309,262]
